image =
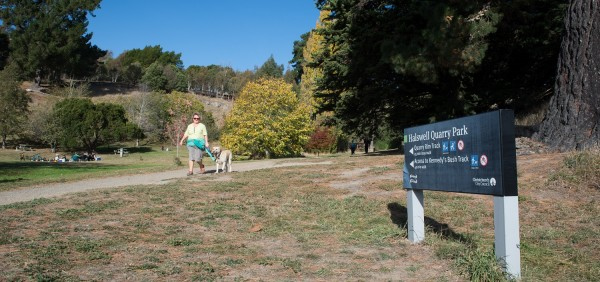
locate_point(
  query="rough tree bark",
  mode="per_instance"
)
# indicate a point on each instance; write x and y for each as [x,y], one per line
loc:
[573,117]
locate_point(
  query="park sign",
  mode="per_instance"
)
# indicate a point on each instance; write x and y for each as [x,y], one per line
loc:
[474,154]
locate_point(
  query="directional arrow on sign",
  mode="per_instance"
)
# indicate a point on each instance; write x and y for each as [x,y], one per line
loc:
[412,164]
[411,151]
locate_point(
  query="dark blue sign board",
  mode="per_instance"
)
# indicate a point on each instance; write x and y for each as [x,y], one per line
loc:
[475,154]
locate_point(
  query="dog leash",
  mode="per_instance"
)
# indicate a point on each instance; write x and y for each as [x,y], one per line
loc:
[209,154]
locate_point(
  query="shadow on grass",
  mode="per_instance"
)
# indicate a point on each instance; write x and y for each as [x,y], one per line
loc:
[399,216]
[389,152]
[12,180]
[17,173]
[69,165]
[139,149]
[111,150]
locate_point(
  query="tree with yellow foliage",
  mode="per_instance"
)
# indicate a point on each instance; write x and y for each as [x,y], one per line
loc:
[267,120]
[308,84]
[310,75]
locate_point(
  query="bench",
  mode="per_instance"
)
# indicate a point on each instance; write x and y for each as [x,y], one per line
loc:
[122,151]
[24,147]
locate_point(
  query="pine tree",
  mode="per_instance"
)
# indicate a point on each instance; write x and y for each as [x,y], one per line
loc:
[270,69]
[573,118]
[400,63]
[49,38]
[14,103]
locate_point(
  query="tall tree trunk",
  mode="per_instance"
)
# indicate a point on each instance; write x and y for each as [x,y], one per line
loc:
[573,118]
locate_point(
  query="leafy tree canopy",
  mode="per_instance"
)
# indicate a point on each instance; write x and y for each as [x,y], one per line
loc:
[270,69]
[311,73]
[149,55]
[49,38]
[297,60]
[519,67]
[14,103]
[401,63]
[322,140]
[217,79]
[267,120]
[165,78]
[89,125]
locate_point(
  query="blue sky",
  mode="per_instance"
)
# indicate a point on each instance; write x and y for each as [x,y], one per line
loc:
[241,34]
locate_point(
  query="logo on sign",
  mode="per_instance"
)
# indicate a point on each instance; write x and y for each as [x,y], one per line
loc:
[483,160]
[445,146]
[452,146]
[484,182]
[414,178]
[474,160]
[461,145]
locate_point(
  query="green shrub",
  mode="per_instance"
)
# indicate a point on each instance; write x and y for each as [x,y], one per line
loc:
[177,161]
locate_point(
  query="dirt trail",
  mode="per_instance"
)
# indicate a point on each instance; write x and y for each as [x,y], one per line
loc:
[529,165]
[58,189]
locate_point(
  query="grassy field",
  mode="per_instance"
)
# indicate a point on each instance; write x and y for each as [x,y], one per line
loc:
[15,173]
[346,221]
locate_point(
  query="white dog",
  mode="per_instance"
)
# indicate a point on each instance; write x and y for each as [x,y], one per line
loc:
[223,158]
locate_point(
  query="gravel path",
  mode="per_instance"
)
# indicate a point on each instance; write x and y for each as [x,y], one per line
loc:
[58,189]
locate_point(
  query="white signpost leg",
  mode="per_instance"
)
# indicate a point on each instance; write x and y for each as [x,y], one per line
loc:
[506,231]
[416,215]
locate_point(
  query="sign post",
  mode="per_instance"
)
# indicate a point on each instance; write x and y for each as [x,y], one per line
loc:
[475,155]
[416,215]
[506,234]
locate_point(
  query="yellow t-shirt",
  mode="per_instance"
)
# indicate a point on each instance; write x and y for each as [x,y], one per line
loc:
[196,132]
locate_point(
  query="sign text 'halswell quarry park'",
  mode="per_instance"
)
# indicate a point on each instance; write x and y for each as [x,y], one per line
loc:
[475,155]
[469,155]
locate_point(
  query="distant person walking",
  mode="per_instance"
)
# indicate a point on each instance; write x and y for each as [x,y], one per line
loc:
[197,140]
[352,147]
[367,143]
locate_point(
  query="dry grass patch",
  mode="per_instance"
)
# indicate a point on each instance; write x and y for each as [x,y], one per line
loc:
[344,221]
[274,224]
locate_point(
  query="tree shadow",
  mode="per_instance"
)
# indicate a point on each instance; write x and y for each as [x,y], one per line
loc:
[388,152]
[108,88]
[139,149]
[111,149]
[399,216]
[8,166]
[526,130]
[12,180]
[20,172]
